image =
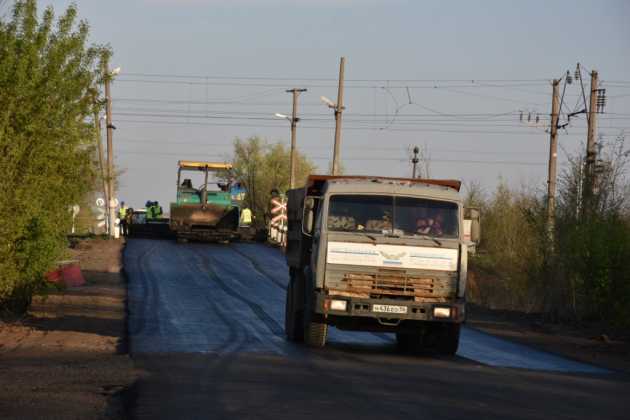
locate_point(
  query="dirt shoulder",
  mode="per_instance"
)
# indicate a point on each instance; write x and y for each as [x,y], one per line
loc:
[591,343]
[67,357]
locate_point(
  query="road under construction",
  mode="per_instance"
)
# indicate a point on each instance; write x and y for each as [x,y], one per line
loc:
[206,325]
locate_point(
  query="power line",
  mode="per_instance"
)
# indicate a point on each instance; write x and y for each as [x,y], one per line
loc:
[404,120]
[403,159]
[123,79]
[432,115]
[201,143]
[326,127]
[326,79]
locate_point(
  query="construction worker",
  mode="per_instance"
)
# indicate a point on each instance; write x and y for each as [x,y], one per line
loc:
[149,210]
[157,210]
[246,217]
[154,210]
[129,220]
[122,216]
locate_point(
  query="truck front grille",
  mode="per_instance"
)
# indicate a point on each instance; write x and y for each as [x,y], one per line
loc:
[396,284]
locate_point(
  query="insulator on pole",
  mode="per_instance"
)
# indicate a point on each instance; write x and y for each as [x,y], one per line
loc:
[578,74]
[601,100]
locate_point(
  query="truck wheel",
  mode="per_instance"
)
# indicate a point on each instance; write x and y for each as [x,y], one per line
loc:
[315,332]
[445,338]
[293,322]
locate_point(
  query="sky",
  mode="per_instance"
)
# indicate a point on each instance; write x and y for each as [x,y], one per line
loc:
[452,77]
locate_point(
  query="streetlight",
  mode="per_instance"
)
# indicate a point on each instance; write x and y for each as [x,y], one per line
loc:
[292,157]
[293,120]
[338,107]
[332,105]
[328,102]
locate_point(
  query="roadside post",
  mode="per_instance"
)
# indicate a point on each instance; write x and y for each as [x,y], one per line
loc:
[278,222]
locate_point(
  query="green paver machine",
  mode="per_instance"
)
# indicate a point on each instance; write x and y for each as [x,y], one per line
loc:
[201,213]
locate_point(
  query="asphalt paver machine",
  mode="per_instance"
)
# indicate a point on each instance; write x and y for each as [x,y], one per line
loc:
[206,212]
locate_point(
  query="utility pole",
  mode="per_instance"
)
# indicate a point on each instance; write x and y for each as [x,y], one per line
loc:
[110,149]
[294,121]
[553,157]
[591,150]
[415,160]
[101,161]
[338,111]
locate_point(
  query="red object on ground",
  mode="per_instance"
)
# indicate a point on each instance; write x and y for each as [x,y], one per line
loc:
[54,276]
[72,275]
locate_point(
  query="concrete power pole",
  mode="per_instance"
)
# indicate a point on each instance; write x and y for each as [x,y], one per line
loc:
[415,160]
[294,121]
[338,111]
[101,162]
[591,149]
[553,157]
[111,207]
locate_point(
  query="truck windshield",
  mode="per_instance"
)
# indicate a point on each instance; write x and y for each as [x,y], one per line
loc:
[407,216]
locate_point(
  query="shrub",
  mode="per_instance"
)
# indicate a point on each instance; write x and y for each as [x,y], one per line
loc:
[47,79]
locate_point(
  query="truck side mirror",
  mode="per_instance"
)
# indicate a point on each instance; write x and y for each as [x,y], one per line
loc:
[307,223]
[472,224]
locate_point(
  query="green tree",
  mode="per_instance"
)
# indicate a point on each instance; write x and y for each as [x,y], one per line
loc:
[263,167]
[48,77]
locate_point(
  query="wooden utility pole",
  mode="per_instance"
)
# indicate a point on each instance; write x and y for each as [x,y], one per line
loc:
[591,149]
[111,206]
[294,121]
[415,160]
[338,111]
[553,157]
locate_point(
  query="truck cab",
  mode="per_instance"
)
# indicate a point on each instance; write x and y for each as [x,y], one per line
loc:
[377,254]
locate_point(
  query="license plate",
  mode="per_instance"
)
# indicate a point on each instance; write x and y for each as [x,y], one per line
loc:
[389,309]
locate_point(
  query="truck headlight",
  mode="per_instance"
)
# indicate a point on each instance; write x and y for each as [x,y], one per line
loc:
[441,312]
[338,305]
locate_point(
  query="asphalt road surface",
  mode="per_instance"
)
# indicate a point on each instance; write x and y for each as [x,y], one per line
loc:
[206,325]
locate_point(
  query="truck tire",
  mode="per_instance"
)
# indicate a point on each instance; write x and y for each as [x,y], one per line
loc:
[315,329]
[449,342]
[445,338]
[293,318]
[315,332]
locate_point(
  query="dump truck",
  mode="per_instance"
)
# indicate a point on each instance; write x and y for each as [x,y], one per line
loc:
[206,212]
[377,254]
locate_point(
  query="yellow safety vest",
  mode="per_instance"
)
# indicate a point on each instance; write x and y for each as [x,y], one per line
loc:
[246,216]
[122,212]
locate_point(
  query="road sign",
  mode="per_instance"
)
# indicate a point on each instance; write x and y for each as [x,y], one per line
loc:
[100,202]
[279,206]
[101,214]
[275,221]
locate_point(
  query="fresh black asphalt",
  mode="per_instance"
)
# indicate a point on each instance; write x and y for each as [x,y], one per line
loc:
[206,326]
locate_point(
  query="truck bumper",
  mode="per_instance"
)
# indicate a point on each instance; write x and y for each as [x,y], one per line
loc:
[375,309]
